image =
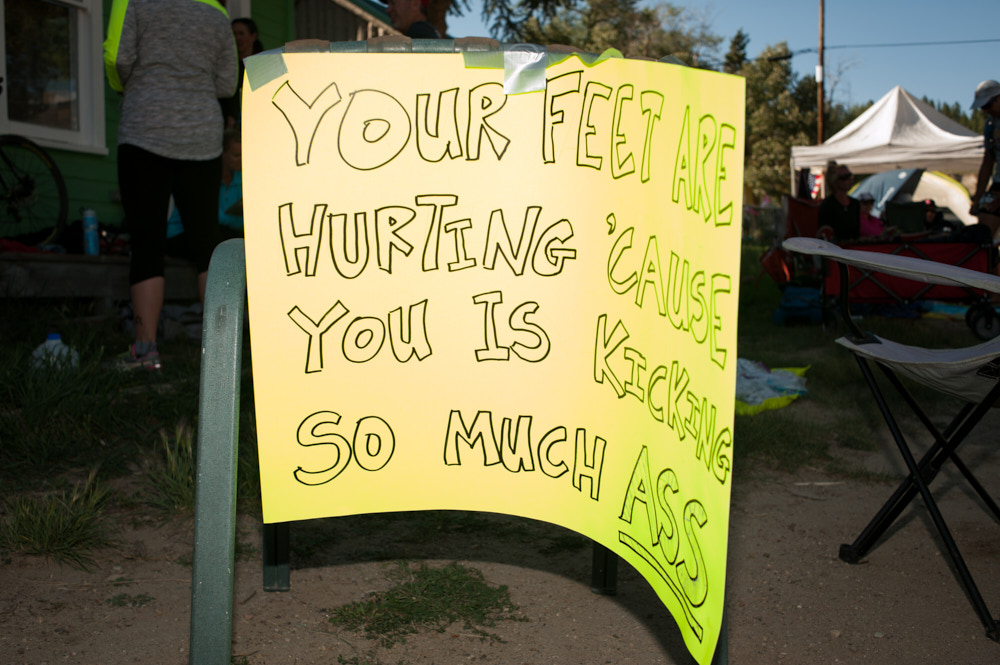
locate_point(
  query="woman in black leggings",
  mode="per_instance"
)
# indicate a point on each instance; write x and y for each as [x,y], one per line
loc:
[172,60]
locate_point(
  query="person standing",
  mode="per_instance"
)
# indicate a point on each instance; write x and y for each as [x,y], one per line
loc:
[838,210]
[172,60]
[986,200]
[247,38]
[410,18]
[247,44]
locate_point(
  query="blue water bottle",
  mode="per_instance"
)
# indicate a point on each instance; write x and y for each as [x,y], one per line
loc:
[91,244]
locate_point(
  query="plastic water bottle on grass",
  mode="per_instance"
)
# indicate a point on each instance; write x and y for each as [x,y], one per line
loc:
[53,353]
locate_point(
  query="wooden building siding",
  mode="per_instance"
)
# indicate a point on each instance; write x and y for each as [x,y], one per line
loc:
[92,179]
[275,21]
[341,20]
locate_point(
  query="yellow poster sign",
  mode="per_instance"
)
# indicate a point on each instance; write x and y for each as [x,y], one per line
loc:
[462,298]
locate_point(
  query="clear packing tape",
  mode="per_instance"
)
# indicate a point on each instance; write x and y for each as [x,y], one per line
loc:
[523,65]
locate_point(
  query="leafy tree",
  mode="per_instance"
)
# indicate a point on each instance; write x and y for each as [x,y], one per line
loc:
[835,116]
[781,107]
[781,113]
[688,36]
[839,116]
[778,117]
[804,91]
[506,18]
[647,32]
[736,57]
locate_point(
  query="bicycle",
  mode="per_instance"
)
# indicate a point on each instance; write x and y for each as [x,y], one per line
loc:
[33,201]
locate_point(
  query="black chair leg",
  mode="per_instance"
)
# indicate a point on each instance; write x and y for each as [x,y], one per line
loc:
[903,495]
[978,487]
[929,465]
[920,474]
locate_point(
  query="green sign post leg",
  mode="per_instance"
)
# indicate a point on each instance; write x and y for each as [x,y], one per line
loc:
[218,429]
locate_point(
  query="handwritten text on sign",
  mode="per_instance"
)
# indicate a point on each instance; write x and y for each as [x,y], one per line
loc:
[524,304]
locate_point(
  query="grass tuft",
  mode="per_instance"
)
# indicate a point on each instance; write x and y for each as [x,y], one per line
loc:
[128,600]
[62,526]
[172,473]
[429,598]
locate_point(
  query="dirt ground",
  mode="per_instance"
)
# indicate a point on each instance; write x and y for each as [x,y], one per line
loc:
[791,600]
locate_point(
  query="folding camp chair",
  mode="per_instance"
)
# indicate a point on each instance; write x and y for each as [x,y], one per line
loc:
[872,287]
[971,374]
[801,217]
[801,221]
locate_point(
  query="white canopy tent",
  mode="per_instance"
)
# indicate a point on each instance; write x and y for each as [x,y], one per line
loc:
[899,131]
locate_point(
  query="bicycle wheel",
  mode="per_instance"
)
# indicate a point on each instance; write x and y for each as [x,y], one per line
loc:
[33,198]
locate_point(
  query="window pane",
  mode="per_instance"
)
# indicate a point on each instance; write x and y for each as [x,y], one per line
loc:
[42,77]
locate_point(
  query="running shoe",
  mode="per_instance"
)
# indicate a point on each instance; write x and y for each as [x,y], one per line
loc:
[129,361]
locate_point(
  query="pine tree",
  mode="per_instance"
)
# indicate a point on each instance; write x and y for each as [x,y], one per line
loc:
[736,57]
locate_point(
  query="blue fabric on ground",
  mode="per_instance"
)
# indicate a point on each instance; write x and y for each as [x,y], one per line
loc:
[759,388]
[799,304]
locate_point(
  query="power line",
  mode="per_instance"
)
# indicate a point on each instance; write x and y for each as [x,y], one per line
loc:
[898,44]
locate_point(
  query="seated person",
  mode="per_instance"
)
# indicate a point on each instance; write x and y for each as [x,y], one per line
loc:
[934,218]
[838,210]
[869,225]
[230,199]
[942,230]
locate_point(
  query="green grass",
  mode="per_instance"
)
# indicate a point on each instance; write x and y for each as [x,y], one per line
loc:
[838,411]
[64,526]
[55,423]
[57,420]
[244,551]
[127,600]
[431,598]
[171,475]
[55,417]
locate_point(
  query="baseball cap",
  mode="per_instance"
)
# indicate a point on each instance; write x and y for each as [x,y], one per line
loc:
[985,91]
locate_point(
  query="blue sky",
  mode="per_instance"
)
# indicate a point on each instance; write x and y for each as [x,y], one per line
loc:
[947,73]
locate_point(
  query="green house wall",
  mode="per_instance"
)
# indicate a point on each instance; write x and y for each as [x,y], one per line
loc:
[92,179]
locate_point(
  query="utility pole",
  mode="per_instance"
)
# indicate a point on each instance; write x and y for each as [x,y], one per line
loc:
[820,102]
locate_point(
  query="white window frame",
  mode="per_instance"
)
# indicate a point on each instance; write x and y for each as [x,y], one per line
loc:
[90,62]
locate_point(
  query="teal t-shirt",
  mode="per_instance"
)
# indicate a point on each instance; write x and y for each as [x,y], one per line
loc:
[229,195]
